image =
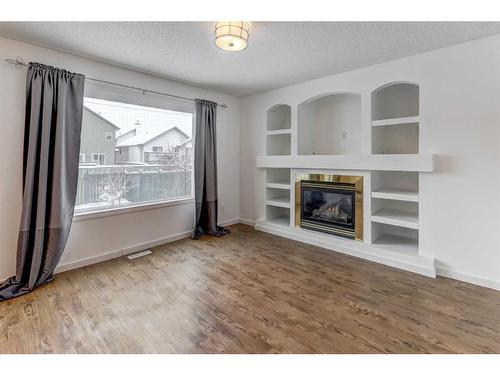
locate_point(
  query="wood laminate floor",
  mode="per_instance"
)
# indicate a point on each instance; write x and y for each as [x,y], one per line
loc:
[250,292]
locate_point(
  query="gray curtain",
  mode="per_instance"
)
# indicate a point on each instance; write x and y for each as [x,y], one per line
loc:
[53,122]
[205,170]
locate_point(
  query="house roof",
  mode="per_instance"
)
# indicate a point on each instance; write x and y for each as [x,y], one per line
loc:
[190,140]
[100,117]
[122,134]
[145,135]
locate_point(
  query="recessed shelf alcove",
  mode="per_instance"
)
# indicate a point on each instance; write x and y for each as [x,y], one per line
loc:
[330,125]
[278,215]
[279,117]
[279,133]
[395,119]
[395,208]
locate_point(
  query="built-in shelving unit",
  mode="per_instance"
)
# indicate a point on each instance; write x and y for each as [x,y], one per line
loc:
[279,132]
[329,135]
[395,195]
[395,119]
[278,201]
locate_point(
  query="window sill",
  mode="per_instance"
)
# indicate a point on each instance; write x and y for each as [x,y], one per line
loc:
[89,215]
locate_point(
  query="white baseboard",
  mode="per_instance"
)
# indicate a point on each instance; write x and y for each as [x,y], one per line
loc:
[118,253]
[129,250]
[468,278]
[229,222]
[247,222]
[440,271]
[87,261]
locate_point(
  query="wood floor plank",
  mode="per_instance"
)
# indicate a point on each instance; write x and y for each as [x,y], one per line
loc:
[250,292]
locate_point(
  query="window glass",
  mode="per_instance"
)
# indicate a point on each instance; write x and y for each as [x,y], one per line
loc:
[132,154]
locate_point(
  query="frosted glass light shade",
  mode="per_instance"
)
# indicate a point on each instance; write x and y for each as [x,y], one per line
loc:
[231,35]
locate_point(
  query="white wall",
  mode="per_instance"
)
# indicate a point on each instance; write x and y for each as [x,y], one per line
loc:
[460,122]
[102,236]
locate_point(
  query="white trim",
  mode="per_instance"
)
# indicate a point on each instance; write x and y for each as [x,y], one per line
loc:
[82,215]
[363,162]
[276,185]
[247,222]
[397,121]
[118,253]
[139,254]
[279,131]
[468,278]
[99,154]
[276,202]
[229,222]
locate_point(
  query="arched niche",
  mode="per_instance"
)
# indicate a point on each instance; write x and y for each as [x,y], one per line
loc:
[395,118]
[395,100]
[279,117]
[330,124]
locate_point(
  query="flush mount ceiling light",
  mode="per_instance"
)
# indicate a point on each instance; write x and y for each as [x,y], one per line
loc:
[231,35]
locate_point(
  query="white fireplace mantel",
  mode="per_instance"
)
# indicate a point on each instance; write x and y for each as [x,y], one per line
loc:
[401,162]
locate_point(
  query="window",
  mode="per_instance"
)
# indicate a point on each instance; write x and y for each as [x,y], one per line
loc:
[99,158]
[142,173]
[82,158]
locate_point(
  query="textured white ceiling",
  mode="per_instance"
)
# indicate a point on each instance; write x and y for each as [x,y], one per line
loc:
[279,54]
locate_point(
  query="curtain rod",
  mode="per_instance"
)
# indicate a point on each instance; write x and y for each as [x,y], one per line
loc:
[20,62]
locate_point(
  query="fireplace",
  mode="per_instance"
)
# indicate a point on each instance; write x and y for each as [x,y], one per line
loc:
[331,204]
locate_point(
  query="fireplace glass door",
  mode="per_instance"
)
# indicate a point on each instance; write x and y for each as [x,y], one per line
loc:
[328,207]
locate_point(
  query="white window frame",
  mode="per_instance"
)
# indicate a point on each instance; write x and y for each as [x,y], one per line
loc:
[99,154]
[106,136]
[98,91]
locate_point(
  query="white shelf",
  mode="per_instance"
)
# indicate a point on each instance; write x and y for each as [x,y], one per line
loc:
[279,185]
[366,162]
[397,121]
[279,202]
[396,194]
[397,244]
[283,221]
[279,132]
[398,218]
